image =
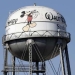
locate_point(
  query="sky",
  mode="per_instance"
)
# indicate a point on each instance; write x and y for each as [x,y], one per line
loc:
[65,7]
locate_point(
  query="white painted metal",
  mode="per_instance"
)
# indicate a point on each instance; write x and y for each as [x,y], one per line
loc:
[34,18]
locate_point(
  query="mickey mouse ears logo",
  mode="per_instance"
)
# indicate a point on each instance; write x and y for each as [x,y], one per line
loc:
[29,15]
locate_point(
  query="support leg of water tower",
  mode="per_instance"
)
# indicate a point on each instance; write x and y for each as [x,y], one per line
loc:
[13,64]
[37,67]
[62,61]
[67,61]
[43,67]
[61,56]
[5,61]
[30,58]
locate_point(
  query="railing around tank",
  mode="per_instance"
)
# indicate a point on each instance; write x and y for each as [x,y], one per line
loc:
[42,33]
[24,68]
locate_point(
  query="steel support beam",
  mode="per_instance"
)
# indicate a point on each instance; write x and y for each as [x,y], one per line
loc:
[30,58]
[67,61]
[62,61]
[37,67]
[5,61]
[13,65]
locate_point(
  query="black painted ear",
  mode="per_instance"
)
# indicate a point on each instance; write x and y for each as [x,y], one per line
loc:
[22,14]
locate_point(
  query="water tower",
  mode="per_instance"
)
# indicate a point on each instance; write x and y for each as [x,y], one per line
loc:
[33,34]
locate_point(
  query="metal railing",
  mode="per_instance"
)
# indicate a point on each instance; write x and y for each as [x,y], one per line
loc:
[9,68]
[40,33]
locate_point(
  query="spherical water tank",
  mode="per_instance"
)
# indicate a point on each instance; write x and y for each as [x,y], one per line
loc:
[43,25]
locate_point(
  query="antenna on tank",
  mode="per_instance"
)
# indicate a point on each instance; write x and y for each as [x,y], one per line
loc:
[34,4]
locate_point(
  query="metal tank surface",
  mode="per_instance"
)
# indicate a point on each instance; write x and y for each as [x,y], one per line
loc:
[41,26]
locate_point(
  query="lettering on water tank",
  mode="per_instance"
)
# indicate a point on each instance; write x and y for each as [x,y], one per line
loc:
[61,27]
[50,16]
[13,21]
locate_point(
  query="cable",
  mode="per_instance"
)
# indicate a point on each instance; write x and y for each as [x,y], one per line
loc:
[50,62]
[20,65]
[39,53]
[52,69]
[43,59]
[59,68]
